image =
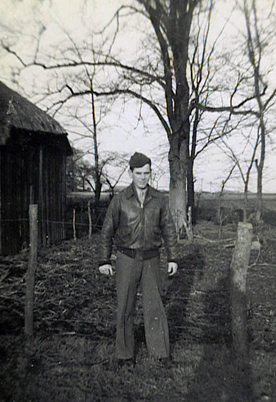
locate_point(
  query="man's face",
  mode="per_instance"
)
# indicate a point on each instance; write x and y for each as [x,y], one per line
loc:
[140,176]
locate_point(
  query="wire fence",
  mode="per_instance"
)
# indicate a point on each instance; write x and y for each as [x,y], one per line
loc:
[78,223]
[72,299]
[197,308]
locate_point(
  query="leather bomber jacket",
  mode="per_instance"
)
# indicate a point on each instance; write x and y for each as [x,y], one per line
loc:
[133,226]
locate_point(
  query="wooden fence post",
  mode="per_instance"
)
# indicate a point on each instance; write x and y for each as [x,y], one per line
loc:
[30,277]
[74,224]
[238,271]
[239,266]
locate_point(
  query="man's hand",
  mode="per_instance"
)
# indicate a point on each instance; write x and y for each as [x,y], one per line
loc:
[106,269]
[172,268]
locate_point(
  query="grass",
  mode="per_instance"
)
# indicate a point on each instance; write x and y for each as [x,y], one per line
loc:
[75,314]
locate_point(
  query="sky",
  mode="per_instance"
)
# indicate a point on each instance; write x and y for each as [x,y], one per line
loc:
[18,28]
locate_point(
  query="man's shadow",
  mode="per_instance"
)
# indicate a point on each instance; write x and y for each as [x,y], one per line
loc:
[175,295]
[177,291]
[218,376]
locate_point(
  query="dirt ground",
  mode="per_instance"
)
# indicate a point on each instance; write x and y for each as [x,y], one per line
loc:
[74,326]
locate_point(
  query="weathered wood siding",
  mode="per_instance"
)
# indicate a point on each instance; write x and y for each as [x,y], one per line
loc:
[31,174]
[52,195]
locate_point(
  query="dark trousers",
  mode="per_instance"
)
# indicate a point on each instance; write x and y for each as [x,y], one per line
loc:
[129,274]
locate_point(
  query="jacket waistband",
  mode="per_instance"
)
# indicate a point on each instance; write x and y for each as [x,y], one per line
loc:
[139,254]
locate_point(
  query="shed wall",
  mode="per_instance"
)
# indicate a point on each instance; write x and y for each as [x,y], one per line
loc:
[31,174]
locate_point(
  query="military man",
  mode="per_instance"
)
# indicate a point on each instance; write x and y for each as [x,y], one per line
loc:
[137,220]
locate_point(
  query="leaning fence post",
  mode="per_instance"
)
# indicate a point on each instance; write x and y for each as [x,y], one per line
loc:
[238,270]
[239,266]
[30,277]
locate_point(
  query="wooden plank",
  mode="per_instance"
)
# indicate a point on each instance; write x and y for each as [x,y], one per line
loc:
[63,196]
[1,180]
[41,197]
[47,192]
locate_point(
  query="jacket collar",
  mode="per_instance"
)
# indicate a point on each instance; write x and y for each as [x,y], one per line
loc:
[130,191]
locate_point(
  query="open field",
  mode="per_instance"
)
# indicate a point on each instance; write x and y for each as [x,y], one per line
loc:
[75,312]
[232,205]
[206,208]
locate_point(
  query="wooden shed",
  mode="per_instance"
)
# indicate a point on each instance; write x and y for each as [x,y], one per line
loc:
[33,152]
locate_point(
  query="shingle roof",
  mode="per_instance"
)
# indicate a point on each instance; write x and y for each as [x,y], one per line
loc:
[17,112]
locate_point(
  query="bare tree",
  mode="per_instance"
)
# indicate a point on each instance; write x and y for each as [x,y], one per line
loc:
[257,45]
[158,79]
[222,218]
[114,170]
[93,127]
[200,79]
[242,160]
[171,24]
[79,172]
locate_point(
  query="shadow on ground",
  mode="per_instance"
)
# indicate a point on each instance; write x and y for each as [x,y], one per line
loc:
[177,292]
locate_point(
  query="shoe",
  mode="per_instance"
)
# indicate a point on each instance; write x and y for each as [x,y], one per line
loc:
[165,362]
[129,363]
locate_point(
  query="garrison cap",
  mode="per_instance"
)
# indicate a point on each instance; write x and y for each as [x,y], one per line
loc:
[139,160]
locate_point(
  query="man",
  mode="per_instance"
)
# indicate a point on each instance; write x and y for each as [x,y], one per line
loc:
[138,218]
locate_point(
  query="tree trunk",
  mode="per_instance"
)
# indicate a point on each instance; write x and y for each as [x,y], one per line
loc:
[98,184]
[259,207]
[89,220]
[191,189]
[178,187]
[245,204]
[98,189]
[190,164]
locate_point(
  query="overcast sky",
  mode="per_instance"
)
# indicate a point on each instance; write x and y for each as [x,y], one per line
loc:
[18,27]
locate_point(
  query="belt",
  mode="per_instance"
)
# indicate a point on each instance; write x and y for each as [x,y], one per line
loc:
[139,254]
